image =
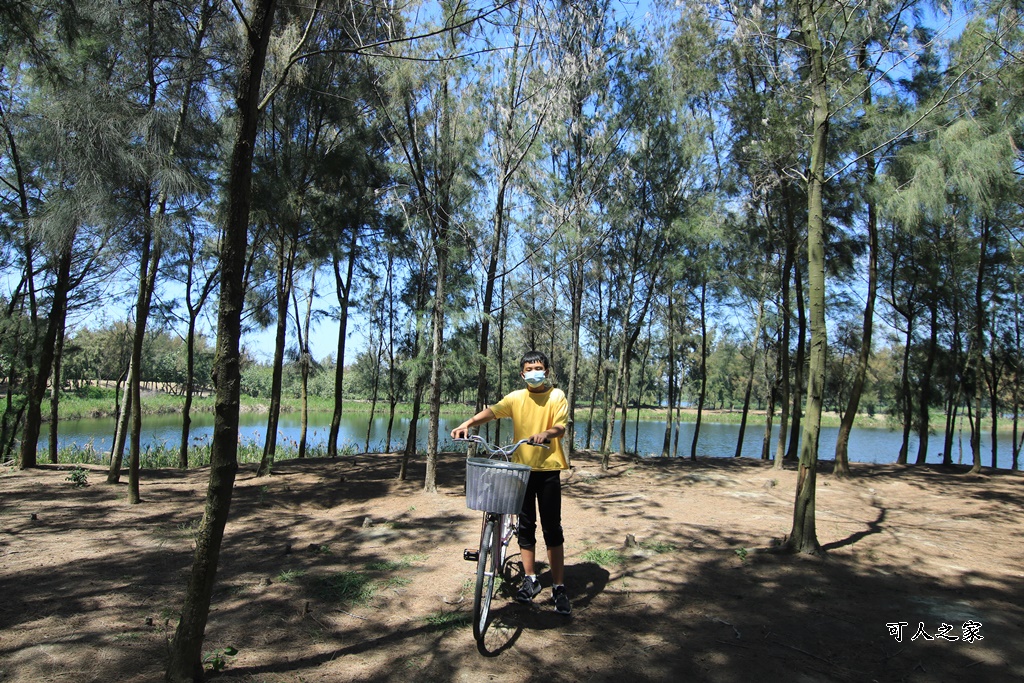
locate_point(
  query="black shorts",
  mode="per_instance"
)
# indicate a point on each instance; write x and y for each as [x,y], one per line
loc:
[543,490]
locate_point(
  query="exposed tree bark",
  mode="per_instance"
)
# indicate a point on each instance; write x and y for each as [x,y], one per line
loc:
[194,309]
[670,323]
[864,357]
[978,350]
[924,407]
[803,537]
[55,387]
[185,663]
[792,452]
[750,379]
[286,253]
[784,362]
[37,387]
[343,288]
[120,431]
[703,366]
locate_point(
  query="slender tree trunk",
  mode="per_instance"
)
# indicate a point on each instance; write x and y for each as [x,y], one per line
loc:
[978,350]
[185,663]
[37,387]
[908,407]
[343,288]
[375,389]
[703,367]
[803,537]
[148,267]
[121,431]
[923,426]
[190,385]
[784,362]
[285,272]
[436,367]
[769,417]
[864,357]
[302,325]
[55,388]
[667,442]
[798,372]
[749,390]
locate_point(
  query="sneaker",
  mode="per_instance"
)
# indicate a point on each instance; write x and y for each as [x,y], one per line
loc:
[561,600]
[527,591]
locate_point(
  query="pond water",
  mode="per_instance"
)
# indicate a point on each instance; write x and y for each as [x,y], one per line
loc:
[716,440]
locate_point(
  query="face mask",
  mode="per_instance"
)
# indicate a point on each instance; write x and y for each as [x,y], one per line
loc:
[534,378]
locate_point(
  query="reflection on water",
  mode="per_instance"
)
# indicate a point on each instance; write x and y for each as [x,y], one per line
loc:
[716,440]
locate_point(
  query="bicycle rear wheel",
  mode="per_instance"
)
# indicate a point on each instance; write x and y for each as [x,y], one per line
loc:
[484,581]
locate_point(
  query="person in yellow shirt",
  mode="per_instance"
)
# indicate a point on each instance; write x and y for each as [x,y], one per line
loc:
[539,413]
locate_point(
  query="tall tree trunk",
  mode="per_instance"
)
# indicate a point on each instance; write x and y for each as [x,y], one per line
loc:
[148,268]
[924,409]
[703,366]
[666,444]
[190,385]
[908,407]
[302,325]
[55,387]
[749,390]
[285,273]
[121,431]
[978,349]
[343,288]
[864,357]
[792,452]
[185,663]
[436,366]
[37,387]
[784,362]
[803,537]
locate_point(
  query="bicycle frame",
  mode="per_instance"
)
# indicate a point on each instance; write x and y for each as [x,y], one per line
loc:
[495,535]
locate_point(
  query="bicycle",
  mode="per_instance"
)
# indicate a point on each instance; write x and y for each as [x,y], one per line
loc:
[496,487]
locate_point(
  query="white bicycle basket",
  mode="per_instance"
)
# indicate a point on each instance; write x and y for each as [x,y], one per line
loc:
[495,485]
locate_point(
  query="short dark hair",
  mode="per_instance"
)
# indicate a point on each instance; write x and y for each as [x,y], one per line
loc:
[533,357]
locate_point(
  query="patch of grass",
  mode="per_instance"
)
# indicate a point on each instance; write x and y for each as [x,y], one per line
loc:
[393,565]
[447,621]
[604,557]
[394,582]
[741,553]
[190,528]
[290,575]
[659,547]
[127,637]
[353,588]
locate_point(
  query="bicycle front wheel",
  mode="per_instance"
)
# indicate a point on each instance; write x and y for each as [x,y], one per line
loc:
[484,581]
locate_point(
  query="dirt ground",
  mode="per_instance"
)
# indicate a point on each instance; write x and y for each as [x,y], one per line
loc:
[335,571]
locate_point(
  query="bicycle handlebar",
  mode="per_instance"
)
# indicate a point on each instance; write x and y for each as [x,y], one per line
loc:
[506,451]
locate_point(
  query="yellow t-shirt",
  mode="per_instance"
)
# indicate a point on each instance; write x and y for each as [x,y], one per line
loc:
[532,413]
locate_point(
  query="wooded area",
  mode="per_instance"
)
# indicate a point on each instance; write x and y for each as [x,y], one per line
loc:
[819,203]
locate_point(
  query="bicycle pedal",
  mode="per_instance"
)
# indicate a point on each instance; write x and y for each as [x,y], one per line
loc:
[470,555]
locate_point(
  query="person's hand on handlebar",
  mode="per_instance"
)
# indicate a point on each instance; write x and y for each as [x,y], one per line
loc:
[460,432]
[540,439]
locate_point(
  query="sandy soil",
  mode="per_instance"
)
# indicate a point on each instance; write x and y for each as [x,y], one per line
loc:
[335,571]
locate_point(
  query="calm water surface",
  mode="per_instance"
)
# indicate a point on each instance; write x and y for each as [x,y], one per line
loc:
[716,440]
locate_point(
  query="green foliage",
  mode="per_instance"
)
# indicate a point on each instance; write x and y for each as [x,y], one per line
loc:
[79,477]
[605,557]
[443,620]
[352,588]
[290,575]
[218,659]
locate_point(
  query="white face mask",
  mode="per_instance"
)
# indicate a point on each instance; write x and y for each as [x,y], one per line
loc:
[535,378]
